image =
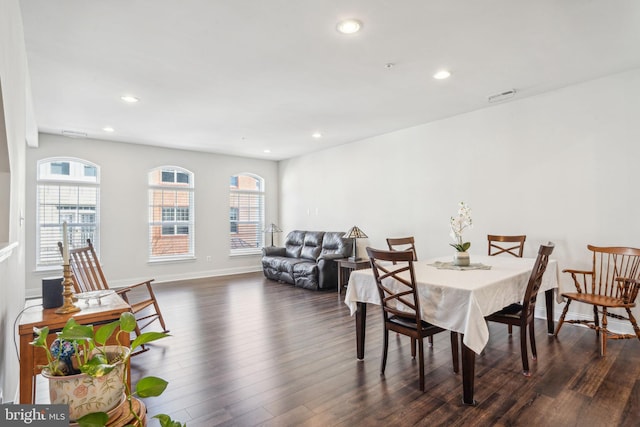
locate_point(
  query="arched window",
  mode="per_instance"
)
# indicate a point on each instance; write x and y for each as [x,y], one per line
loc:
[171,218]
[246,214]
[68,191]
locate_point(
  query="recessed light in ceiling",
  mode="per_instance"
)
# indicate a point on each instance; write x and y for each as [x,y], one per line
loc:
[267,151]
[108,129]
[349,26]
[130,99]
[442,74]
[316,135]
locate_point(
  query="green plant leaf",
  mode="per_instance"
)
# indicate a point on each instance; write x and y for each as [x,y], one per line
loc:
[150,386]
[466,246]
[166,421]
[95,419]
[97,366]
[73,331]
[127,322]
[147,337]
[105,332]
[41,336]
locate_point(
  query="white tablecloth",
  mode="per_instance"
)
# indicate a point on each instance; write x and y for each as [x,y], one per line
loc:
[460,300]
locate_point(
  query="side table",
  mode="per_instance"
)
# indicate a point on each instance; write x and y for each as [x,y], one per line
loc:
[346,266]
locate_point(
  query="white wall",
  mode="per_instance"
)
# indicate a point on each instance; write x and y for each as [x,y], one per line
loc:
[124,208]
[561,166]
[14,84]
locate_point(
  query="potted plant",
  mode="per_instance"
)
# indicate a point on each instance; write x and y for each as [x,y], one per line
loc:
[91,376]
[458,224]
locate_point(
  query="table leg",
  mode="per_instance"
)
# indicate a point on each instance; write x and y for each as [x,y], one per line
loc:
[468,373]
[361,322]
[548,296]
[341,278]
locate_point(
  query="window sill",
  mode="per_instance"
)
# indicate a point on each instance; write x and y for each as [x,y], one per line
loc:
[252,252]
[170,260]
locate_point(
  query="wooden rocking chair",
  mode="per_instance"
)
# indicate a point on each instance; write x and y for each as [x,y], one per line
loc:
[88,276]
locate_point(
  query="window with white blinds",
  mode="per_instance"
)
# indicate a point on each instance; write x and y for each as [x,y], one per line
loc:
[246,214]
[68,191]
[171,217]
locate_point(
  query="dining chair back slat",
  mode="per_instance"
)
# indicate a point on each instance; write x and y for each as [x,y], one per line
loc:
[502,244]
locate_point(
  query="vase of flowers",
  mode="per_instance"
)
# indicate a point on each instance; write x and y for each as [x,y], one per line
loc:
[458,224]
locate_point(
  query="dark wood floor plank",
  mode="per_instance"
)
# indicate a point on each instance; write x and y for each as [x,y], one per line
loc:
[246,351]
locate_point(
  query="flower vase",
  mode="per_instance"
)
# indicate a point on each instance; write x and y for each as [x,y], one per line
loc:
[461,259]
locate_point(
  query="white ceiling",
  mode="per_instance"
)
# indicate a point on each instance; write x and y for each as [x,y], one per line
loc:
[243,76]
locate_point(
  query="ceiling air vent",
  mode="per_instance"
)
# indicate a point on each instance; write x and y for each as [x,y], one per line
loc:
[502,96]
[74,134]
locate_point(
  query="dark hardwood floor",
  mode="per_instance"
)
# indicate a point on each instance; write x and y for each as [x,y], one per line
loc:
[247,351]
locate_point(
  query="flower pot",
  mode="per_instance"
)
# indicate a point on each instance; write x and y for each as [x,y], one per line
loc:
[461,259]
[86,394]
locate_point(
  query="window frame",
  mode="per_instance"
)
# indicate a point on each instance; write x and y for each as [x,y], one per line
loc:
[175,220]
[72,177]
[235,225]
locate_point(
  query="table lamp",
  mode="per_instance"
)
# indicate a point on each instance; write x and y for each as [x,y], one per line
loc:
[355,233]
[272,228]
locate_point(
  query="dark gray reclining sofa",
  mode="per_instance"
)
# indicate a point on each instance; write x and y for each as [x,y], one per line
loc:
[307,259]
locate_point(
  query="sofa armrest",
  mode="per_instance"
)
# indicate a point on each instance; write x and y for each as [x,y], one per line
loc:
[331,257]
[274,251]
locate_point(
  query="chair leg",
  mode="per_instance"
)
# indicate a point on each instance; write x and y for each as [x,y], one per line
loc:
[633,322]
[561,320]
[157,307]
[510,327]
[532,339]
[603,334]
[430,340]
[421,362]
[523,351]
[413,348]
[385,346]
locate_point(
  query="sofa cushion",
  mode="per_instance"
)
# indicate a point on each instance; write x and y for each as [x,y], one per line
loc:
[293,243]
[334,243]
[312,245]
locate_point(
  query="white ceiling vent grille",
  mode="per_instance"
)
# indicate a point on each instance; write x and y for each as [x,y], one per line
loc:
[502,96]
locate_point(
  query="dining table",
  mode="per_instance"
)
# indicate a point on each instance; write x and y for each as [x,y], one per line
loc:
[458,299]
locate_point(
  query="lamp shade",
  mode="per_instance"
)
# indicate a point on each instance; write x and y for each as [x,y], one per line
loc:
[272,228]
[355,233]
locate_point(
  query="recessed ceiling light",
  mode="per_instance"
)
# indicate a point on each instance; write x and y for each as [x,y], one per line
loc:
[130,99]
[108,129]
[267,151]
[316,135]
[349,26]
[442,74]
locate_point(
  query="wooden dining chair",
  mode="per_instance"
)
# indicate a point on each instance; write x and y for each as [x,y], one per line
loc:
[612,283]
[403,244]
[88,276]
[522,315]
[401,305]
[504,245]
